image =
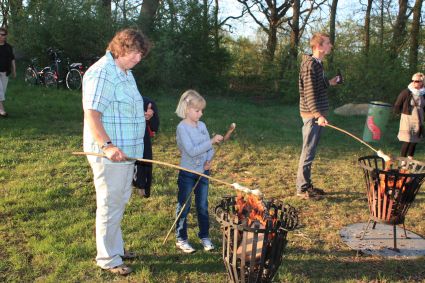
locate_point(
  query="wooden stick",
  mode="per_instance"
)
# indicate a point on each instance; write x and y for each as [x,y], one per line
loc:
[353,136]
[181,211]
[379,152]
[160,163]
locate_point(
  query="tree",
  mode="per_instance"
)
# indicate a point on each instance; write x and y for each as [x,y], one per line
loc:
[332,27]
[367,27]
[4,6]
[399,29]
[147,15]
[274,13]
[414,36]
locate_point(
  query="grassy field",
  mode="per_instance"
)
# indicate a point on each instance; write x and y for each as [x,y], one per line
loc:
[47,199]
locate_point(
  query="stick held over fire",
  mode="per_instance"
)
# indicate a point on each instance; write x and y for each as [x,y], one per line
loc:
[379,152]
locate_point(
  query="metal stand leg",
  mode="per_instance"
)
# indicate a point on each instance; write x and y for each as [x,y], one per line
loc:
[405,234]
[367,227]
[395,239]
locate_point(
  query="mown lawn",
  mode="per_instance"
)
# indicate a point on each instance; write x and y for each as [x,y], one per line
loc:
[47,199]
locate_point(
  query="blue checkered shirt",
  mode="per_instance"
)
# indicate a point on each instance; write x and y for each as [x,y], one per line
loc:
[110,91]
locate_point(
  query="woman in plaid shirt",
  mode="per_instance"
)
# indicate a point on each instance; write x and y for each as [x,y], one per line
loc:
[114,124]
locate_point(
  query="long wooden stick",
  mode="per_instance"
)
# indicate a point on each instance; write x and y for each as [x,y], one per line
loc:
[160,163]
[353,136]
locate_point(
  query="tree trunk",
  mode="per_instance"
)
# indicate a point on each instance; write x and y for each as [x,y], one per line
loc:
[4,5]
[295,34]
[271,43]
[399,29]
[381,24]
[147,15]
[107,9]
[367,27]
[16,15]
[216,26]
[332,28]
[414,36]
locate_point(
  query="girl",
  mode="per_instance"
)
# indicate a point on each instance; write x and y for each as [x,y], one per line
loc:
[197,152]
[410,103]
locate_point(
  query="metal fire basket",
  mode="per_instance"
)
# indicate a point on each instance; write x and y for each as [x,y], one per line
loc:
[253,252]
[391,189]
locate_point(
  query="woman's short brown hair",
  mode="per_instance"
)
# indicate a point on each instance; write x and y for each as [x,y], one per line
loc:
[128,40]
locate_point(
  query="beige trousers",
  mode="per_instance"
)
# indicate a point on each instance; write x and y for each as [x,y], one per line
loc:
[113,190]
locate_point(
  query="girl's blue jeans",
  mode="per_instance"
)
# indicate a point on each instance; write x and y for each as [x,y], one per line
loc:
[186,181]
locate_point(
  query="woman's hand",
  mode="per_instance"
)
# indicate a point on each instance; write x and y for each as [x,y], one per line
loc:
[217,139]
[114,153]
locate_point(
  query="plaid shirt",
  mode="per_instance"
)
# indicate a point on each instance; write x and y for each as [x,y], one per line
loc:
[112,92]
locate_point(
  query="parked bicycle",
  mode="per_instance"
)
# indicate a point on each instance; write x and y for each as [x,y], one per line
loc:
[73,74]
[36,76]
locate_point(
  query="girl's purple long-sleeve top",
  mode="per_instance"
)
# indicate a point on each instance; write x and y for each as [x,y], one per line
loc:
[195,146]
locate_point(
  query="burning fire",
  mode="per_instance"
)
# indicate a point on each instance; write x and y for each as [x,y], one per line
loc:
[392,182]
[253,209]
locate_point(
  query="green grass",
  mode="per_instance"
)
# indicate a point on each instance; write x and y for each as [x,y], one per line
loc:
[47,199]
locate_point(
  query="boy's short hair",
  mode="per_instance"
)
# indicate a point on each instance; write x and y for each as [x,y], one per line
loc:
[190,99]
[317,39]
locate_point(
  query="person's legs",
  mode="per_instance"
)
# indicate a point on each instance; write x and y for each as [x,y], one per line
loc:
[311,136]
[404,149]
[411,150]
[201,200]
[113,190]
[185,183]
[3,86]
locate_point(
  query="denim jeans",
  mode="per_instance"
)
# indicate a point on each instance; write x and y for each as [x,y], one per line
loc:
[186,181]
[311,135]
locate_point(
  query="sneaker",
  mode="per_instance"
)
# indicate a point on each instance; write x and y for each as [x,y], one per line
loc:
[318,191]
[311,193]
[208,245]
[185,246]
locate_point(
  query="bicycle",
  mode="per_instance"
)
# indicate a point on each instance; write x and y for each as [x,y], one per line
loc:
[74,76]
[35,76]
[74,71]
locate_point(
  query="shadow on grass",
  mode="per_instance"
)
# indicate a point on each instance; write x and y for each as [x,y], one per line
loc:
[325,266]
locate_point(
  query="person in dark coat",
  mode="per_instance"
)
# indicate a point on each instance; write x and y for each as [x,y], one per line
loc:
[410,104]
[142,180]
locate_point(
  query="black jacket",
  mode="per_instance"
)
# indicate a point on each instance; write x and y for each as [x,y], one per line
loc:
[402,103]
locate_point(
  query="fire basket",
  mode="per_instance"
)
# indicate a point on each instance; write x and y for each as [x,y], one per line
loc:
[391,189]
[254,236]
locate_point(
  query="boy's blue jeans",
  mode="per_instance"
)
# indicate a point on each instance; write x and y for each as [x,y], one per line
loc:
[311,136]
[186,181]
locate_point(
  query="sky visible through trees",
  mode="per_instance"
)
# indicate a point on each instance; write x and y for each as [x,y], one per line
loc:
[248,28]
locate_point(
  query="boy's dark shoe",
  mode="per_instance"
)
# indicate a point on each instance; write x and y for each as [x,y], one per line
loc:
[311,193]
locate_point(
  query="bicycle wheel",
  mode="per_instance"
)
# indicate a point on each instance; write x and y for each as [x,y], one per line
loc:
[50,80]
[30,76]
[73,79]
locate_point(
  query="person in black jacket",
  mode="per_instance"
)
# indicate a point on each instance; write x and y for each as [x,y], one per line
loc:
[142,180]
[7,67]
[410,104]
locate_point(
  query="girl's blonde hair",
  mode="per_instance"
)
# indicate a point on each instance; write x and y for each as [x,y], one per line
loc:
[190,99]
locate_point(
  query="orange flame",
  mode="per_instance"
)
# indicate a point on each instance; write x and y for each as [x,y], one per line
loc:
[251,208]
[391,183]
